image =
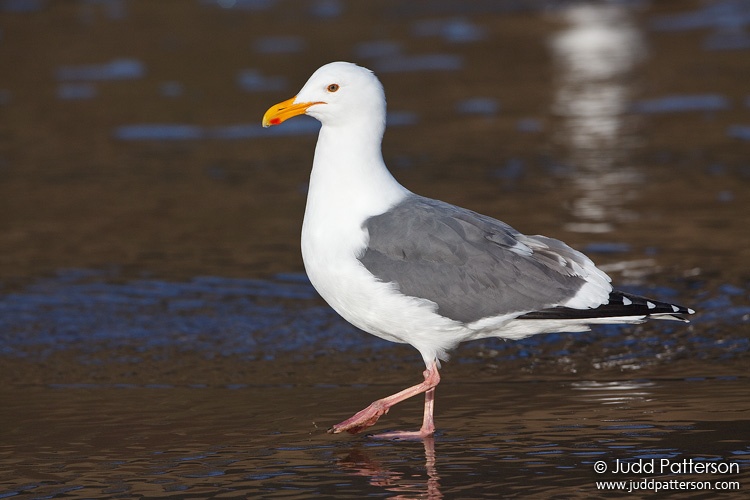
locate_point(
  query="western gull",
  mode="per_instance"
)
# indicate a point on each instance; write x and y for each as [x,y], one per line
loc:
[419,271]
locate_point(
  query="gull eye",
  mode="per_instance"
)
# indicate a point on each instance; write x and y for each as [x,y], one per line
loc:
[333,87]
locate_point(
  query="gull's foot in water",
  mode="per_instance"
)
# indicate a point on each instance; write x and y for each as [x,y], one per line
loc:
[362,419]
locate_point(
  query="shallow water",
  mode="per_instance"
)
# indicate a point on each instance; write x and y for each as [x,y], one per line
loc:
[499,439]
[158,337]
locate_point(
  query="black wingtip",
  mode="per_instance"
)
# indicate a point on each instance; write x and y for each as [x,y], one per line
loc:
[621,304]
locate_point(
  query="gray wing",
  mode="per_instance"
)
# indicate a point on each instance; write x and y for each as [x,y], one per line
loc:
[472,266]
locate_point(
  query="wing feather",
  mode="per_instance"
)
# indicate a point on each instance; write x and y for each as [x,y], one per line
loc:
[473,266]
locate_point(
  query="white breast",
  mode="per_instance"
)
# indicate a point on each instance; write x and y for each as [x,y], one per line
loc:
[344,192]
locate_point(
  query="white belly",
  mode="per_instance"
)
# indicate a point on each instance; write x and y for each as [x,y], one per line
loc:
[373,306]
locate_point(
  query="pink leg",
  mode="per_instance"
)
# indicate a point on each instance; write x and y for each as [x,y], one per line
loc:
[367,417]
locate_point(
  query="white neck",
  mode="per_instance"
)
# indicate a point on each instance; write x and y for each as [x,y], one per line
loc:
[349,183]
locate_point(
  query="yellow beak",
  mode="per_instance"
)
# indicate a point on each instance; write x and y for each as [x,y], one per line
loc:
[282,111]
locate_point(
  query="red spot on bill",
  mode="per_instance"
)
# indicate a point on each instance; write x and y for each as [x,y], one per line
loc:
[274,121]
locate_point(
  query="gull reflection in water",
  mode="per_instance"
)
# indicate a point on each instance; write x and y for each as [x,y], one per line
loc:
[359,462]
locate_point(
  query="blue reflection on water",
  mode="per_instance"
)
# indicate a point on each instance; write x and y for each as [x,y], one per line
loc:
[421,62]
[22,6]
[376,48]
[722,13]
[739,132]
[729,18]
[93,311]
[248,5]
[76,91]
[252,80]
[486,106]
[171,89]
[729,39]
[303,125]
[529,125]
[679,103]
[457,30]
[117,69]
[210,314]
[159,131]
[326,9]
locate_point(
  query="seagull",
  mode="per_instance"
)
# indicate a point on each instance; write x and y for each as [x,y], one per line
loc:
[419,271]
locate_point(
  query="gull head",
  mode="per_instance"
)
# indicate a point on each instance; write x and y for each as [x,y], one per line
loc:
[337,94]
